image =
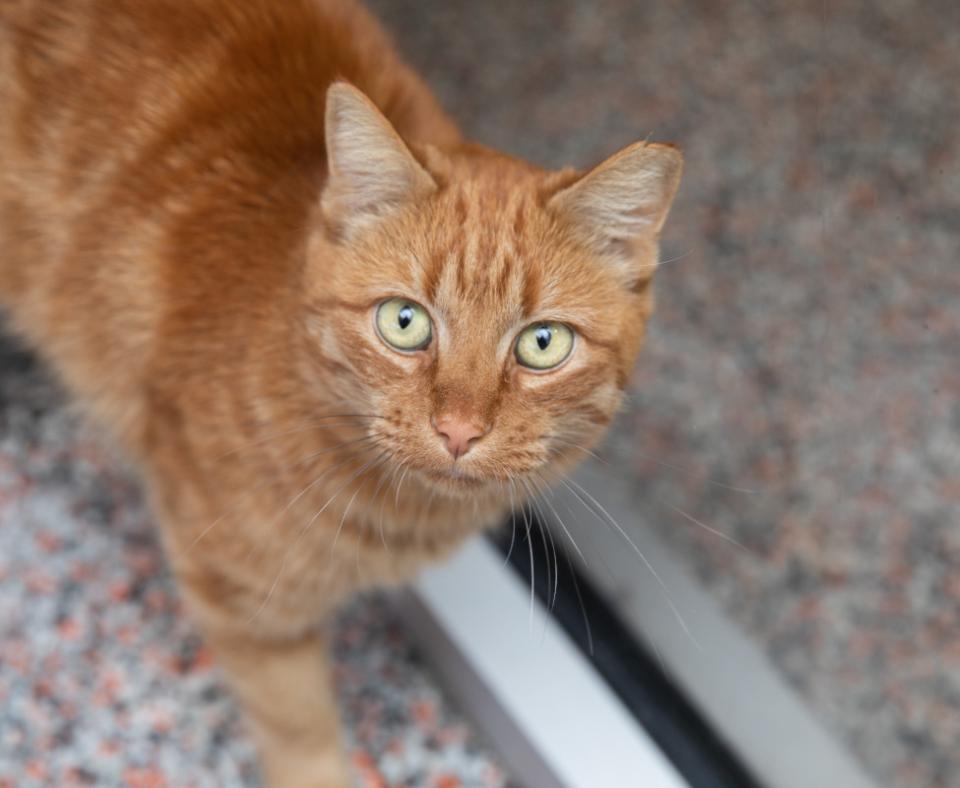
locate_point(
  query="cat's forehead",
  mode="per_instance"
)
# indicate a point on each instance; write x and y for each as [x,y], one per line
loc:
[486,252]
[490,249]
[498,259]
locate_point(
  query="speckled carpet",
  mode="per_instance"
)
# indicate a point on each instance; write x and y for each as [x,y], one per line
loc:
[807,344]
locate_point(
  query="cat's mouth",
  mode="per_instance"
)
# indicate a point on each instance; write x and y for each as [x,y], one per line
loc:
[454,477]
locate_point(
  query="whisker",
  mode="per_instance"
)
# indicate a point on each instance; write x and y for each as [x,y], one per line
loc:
[339,490]
[263,483]
[299,536]
[550,600]
[692,472]
[538,521]
[381,486]
[532,575]
[374,444]
[513,521]
[433,494]
[569,534]
[583,609]
[544,530]
[396,496]
[377,463]
[607,517]
[675,259]
[662,263]
[584,449]
[303,427]
[707,528]
[373,499]
[563,525]
[527,528]
[576,547]
[542,525]
[273,587]
[383,501]
[314,483]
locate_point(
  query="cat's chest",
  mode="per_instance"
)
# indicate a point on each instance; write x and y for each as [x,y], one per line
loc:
[297,570]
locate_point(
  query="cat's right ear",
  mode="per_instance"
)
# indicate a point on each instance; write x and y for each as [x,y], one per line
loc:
[371,172]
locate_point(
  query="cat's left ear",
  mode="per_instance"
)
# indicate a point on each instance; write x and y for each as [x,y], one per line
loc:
[371,172]
[620,205]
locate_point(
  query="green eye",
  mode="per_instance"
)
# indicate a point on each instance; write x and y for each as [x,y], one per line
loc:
[544,345]
[404,324]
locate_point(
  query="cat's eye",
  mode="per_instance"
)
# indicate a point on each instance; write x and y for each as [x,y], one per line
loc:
[544,345]
[404,325]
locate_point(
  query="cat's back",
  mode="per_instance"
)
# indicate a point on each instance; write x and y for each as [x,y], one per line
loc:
[98,95]
[151,142]
[83,87]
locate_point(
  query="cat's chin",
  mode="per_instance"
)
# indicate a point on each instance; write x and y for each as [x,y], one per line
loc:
[456,481]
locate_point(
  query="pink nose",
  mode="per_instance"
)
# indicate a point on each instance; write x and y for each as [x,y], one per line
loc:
[459,433]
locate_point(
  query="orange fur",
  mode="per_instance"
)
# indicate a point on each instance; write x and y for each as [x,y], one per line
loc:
[197,235]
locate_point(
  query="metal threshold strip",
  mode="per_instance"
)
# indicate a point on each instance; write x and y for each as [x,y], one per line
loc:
[514,670]
[635,675]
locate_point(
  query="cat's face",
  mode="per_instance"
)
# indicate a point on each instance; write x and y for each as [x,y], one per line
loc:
[477,309]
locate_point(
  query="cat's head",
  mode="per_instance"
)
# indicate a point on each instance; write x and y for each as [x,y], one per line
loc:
[484,312]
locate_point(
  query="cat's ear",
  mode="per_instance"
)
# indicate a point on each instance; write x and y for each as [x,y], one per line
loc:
[371,172]
[623,202]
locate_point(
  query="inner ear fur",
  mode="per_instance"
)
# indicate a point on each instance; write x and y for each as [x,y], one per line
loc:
[619,207]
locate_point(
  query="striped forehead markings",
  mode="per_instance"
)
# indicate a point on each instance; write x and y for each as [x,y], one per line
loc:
[484,259]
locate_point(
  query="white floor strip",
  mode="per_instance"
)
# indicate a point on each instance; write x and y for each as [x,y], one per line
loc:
[539,700]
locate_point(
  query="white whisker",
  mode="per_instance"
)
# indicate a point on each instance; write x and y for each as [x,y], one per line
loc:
[310,425]
[530,484]
[396,496]
[260,485]
[376,463]
[706,527]
[583,609]
[300,534]
[584,449]
[383,501]
[563,525]
[513,521]
[691,472]
[607,517]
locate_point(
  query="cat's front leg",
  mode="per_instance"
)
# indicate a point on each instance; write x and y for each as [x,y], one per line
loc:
[284,686]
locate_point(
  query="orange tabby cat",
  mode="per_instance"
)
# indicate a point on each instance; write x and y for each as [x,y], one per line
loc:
[336,337]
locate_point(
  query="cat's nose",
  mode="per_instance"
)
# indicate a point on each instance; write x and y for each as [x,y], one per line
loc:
[459,433]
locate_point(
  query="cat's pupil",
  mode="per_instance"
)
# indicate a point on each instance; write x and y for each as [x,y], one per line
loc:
[544,335]
[404,316]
